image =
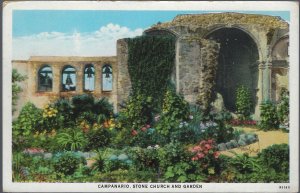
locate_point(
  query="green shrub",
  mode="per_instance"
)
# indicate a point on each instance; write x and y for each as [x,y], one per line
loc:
[144,158]
[268,115]
[174,110]
[243,102]
[276,157]
[245,164]
[137,112]
[82,103]
[71,140]
[183,172]
[171,154]
[283,110]
[67,162]
[103,107]
[16,89]
[65,111]
[28,120]
[97,139]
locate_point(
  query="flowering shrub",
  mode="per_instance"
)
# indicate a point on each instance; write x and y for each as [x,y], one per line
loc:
[207,155]
[175,109]
[33,151]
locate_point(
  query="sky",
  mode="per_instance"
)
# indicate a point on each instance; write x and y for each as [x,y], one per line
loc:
[86,32]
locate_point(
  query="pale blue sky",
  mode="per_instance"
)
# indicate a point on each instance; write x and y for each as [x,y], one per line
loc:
[87,32]
[26,22]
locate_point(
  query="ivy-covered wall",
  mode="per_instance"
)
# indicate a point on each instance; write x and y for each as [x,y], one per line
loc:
[150,63]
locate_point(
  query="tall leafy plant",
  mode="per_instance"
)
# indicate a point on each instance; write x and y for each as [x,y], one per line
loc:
[243,102]
[283,108]
[268,115]
[28,121]
[72,140]
[16,89]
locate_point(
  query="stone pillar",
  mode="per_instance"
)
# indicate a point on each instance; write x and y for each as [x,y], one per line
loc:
[56,82]
[260,87]
[267,80]
[97,78]
[123,80]
[79,78]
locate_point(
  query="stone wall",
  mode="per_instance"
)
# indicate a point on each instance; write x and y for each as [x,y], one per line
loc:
[124,83]
[31,67]
[188,63]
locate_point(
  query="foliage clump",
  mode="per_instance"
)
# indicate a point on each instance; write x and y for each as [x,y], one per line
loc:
[268,115]
[16,89]
[243,102]
[283,108]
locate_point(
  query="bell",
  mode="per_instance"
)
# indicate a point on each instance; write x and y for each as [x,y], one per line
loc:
[107,72]
[69,80]
[47,79]
[89,72]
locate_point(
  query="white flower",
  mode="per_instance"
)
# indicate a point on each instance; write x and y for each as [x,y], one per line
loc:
[191,116]
[149,147]
[156,146]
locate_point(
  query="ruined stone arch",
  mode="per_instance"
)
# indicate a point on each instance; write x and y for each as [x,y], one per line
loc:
[248,32]
[279,66]
[237,63]
[284,51]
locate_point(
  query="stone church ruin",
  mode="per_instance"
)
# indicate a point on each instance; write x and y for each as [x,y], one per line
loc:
[214,54]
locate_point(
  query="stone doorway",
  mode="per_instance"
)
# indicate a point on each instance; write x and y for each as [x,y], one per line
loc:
[237,64]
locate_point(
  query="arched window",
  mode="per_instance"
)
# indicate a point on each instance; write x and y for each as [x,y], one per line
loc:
[107,78]
[69,78]
[89,77]
[45,78]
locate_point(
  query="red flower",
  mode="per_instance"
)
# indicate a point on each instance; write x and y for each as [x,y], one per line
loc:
[148,126]
[143,128]
[210,141]
[200,155]
[207,146]
[195,158]
[196,148]
[134,132]
[216,154]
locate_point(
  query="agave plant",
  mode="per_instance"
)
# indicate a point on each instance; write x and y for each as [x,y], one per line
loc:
[72,140]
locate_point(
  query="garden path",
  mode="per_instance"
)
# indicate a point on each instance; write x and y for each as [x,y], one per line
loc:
[266,139]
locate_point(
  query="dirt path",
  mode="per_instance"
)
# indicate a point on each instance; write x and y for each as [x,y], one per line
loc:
[265,139]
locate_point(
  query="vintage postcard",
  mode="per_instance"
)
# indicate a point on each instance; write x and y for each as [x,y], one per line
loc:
[146,96]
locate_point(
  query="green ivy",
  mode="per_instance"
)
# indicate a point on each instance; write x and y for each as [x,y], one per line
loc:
[150,63]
